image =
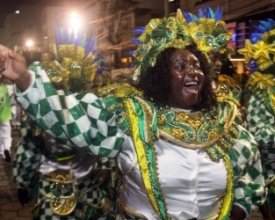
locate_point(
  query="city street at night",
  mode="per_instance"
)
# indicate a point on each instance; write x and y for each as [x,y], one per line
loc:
[137,109]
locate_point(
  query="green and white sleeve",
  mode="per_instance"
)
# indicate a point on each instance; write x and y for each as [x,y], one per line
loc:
[80,119]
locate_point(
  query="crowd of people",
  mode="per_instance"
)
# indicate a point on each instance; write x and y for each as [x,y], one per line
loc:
[177,142]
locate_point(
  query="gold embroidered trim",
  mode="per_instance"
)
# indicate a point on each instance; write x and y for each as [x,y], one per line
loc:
[199,130]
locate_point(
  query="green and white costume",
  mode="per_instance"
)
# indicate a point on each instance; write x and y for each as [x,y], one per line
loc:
[261,122]
[61,178]
[169,158]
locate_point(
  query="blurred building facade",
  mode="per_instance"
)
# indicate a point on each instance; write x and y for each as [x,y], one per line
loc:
[35,23]
[52,17]
[112,23]
[240,18]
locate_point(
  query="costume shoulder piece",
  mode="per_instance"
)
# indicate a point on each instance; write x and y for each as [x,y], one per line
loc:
[262,86]
[124,98]
[119,90]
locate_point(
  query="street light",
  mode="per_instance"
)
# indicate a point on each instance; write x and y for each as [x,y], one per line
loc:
[75,21]
[29,43]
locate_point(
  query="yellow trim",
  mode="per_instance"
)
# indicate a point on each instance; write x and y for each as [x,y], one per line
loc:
[227,202]
[66,158]
[141,154]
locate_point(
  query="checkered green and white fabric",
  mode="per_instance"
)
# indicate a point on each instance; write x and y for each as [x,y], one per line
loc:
[81,119]
[249,181]
[26,161]
[106,163]
[261,124]
[27,157]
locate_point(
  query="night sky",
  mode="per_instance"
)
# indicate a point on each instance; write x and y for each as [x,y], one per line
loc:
[9,6]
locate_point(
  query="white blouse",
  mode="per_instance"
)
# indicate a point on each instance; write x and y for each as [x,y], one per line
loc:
[191,182]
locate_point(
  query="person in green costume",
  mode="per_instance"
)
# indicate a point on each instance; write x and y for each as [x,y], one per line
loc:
[63,181]
[6,104]
[259,54]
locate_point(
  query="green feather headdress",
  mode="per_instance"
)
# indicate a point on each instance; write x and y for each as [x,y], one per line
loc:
[158,35]
[207,31]
[73,61]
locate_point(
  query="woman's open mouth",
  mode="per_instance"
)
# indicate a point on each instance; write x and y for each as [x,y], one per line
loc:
[192,87]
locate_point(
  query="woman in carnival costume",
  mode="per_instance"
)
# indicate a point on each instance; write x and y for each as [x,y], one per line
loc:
[65,181]
[259,53]
[210,32]
[181,150]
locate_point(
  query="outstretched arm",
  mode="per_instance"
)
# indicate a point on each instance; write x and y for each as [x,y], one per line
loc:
[81,119]
[14,67]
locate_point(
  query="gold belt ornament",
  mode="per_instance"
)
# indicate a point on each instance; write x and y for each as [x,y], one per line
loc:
[63,205]
[62,182]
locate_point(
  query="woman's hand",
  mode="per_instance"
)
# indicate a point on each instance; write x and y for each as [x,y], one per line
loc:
[237,213]
[14,67]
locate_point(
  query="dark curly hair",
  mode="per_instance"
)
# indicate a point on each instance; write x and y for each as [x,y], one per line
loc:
[157,82]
